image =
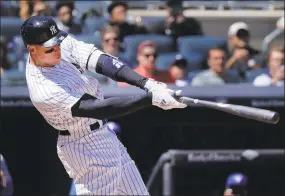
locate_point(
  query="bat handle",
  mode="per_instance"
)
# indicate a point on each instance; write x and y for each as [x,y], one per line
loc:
[177,94]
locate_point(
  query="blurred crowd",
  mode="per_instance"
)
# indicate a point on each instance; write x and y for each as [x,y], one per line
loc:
[234,61]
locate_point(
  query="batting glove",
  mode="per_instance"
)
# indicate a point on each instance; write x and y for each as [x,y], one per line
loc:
[152,85]
[163,98]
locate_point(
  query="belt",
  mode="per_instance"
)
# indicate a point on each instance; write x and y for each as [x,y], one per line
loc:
[93,126]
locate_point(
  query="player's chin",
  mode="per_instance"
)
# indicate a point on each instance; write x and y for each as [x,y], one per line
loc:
[55,61]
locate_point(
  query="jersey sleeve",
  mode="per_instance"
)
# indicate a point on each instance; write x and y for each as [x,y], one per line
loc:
[79,52]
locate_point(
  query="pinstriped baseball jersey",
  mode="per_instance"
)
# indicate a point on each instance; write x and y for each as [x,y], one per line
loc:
[96,160]
[53,90]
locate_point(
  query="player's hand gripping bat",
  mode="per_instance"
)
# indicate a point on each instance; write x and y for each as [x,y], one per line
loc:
[239,110]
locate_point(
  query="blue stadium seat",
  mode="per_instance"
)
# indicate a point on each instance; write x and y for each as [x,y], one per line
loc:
[192,74]
[194,60]
[92,39]
[199,44]
[131,43]
[10,27]
[252,74]
[94,24]
[153,24]
[235,76]
[164,60]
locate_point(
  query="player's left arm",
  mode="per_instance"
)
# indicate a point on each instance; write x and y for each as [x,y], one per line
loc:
[119,71]
[90,58]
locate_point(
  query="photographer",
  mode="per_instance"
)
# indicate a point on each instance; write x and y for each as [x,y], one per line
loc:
[177,24]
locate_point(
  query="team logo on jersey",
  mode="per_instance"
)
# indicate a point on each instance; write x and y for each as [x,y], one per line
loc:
[53,30]
[116,63]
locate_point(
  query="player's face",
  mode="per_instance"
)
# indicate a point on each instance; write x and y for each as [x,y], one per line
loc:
[47,56]
[216,60]
[111,43]
[147,57]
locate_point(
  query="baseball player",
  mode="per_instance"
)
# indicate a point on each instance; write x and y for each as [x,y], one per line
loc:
[73,103]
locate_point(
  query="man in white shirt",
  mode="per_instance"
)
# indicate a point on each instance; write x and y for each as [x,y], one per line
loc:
[216,74]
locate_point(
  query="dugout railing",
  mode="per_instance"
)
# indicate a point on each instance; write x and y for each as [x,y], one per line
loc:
[173,157]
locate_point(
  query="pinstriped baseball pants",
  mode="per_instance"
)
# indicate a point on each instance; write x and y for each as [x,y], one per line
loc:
[99,164]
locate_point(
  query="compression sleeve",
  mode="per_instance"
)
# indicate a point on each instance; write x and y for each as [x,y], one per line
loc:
[117,70]
[90,107]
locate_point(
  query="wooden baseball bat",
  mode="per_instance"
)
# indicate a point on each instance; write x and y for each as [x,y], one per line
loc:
[239,110]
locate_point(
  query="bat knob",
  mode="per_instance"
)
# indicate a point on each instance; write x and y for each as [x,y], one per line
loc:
[177,94]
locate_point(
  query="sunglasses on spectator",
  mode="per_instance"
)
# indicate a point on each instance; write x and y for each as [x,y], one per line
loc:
[108,40]
[148,55]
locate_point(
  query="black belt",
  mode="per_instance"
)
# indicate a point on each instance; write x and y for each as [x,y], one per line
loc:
[93,126]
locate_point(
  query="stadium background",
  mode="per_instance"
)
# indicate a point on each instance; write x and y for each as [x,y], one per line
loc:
[28,143]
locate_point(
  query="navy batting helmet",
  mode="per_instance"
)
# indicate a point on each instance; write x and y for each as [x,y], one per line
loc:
[41,30]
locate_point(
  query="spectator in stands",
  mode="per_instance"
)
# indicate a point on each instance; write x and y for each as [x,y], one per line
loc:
[176,24]
[178,70]
[146,56]
[64,20]
[30,8]
[276,69]
[41,9]
[260,60]
[239,50]
[118,13]
[110,40]
[216,74]
[111,43]
[5,63]
[6,182]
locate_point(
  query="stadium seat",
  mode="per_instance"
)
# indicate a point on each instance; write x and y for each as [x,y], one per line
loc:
[252,74]
[194,60]
[199,44]
[92,39]
[131,43]
[164,60]
[192,74]
[234,75]
[83,6]
[94,24]
[10,27]
[153,24]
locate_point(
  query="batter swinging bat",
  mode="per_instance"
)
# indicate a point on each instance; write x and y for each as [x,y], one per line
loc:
[243,111]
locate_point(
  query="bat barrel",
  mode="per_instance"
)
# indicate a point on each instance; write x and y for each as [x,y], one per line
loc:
[243,111]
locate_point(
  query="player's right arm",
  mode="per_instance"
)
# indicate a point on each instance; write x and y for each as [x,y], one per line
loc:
[77,104]
[89,106]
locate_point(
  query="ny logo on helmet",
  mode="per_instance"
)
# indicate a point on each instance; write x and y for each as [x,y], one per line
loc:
[53,30]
